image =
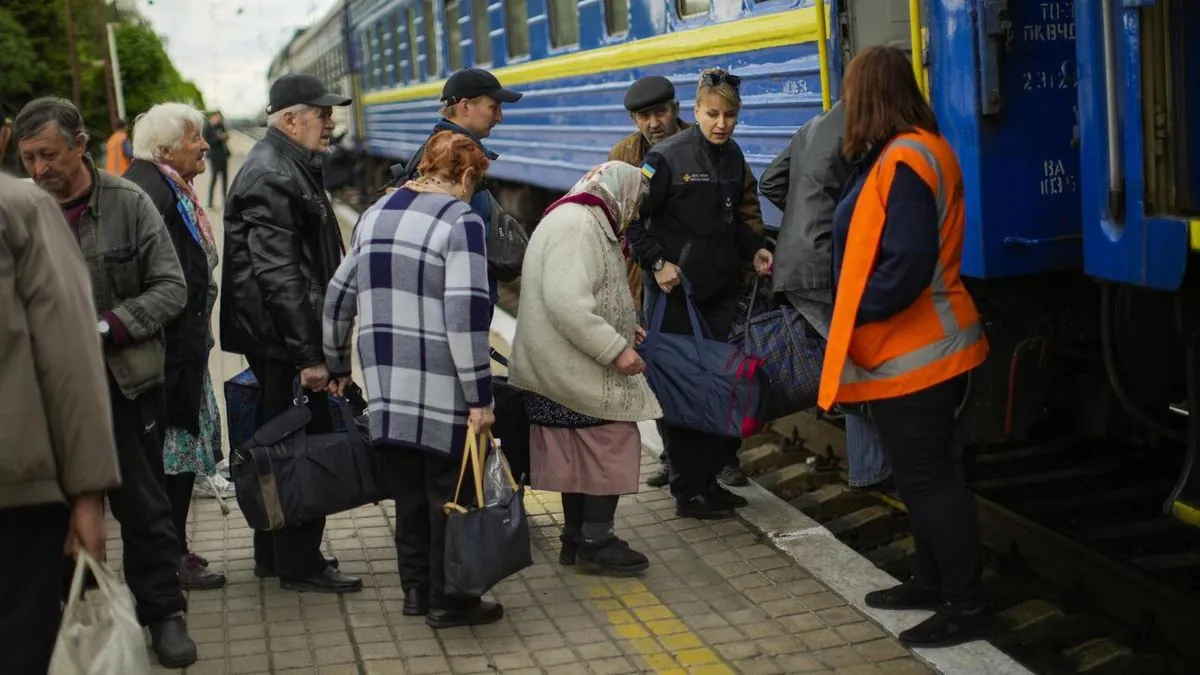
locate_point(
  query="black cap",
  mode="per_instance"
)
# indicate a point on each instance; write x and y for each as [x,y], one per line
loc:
[648,92]
[296,88]
[473,82]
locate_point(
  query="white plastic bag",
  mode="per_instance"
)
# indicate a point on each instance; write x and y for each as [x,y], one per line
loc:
[100,633]
[497,477]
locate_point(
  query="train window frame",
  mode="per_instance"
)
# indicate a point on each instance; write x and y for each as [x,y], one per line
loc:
[387,57]
[430,32]
[414,50]
[481,20]
[454,52]
[403,67]
[553,7]
[607,9]
[679,9]
[511,18]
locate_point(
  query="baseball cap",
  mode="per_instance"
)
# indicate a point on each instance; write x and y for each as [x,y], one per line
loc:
[296,88]
[473,82]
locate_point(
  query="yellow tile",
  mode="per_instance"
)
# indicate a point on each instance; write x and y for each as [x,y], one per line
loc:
[619,617]
[654,613]
[672,671]
[647,647]
[666,627]
[698,657]
[661,662]
[631,631]
[719,669]
[598,591]
[609,605]
[640,600]
[627,586]
[680,642]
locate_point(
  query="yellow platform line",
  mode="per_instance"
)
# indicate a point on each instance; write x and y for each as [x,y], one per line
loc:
[640,618]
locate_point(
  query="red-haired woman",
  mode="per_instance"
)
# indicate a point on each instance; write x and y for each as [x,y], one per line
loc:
[905,332]
[416,279]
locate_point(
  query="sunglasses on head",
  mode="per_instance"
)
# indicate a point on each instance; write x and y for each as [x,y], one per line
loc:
[715,77]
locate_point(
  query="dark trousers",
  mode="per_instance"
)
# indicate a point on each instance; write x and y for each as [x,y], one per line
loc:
[917,434]
[294,553]
[695,457]
[580,508]
[179,493]
[422,483]
[218,169]
[140,505]
[32,567]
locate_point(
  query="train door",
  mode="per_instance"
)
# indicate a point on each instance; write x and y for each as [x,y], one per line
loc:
[864,23]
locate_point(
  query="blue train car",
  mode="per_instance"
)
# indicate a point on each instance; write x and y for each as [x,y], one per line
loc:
[1070,119]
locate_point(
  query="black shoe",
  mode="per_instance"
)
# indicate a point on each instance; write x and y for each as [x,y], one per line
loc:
[950,626]
[612,557]
[720,495]
[733,477]
[172,644]
[658,479]
[477,615]
[907,595]
[194,574]
[328,580]
[416,602]
[570,545]
[264,572]
[702,507]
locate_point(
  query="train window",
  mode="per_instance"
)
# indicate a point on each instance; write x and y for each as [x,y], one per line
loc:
[431,44]
[564,22]
[481,31]
[453,36]
[688,8]
[516,27]
[616,16]
[387,56]
[414,54]
[403,67]
[366,51]
[376,71]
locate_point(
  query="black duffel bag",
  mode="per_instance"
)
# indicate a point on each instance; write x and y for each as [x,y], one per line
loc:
[512,422]
[285,476]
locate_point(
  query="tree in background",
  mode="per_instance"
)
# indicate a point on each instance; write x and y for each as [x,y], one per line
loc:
[36,61]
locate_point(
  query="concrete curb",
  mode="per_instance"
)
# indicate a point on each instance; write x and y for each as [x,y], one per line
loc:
[829,561]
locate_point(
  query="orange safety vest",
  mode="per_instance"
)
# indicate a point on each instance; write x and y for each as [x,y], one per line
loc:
[940,335]
[116,163]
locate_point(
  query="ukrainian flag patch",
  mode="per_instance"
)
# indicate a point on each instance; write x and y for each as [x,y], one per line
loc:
[647,171]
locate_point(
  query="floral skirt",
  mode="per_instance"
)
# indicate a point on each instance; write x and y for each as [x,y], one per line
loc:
[185,453]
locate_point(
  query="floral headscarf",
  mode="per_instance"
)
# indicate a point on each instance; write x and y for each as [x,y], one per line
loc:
[616,187]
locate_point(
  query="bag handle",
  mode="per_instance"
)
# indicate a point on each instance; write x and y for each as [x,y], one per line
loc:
[106,581]
[700,330]
[475,452]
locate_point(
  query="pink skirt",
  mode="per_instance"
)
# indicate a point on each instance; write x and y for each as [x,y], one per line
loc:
[603,460]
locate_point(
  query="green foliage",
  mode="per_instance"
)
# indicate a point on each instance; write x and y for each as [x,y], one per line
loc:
[36,61]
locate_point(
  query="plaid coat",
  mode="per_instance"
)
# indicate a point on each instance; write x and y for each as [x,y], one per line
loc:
[416,278]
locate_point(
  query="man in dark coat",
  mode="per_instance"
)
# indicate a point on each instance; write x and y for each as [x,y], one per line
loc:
[282,247]
[218,155]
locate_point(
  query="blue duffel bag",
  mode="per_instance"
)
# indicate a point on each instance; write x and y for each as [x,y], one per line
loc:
[701,383]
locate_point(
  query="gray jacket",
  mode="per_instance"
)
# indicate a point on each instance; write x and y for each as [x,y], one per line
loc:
[805,182]
[136,277]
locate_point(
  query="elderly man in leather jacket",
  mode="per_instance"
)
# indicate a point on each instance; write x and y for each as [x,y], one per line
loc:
[282,247]
[138,288]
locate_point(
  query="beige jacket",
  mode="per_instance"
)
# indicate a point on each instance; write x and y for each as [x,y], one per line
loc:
[575,318]
[56,436]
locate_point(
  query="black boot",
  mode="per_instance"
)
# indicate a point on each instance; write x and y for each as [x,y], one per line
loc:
[416,602]
[908,595]
[328,580]
[172,644]
[951,625]
[611,557]
[570,545]
[464,613]
[722,495]
[702,507]
[263,572]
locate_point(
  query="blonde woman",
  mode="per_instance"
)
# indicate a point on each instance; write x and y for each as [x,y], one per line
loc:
[574,353]
[698,232]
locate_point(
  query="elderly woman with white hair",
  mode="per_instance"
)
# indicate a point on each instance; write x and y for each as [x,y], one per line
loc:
[168,150]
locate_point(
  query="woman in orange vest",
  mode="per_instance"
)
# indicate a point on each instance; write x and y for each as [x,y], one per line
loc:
[905,333]
[118,151]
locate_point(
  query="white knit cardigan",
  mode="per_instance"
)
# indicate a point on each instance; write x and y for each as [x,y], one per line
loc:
[576,316]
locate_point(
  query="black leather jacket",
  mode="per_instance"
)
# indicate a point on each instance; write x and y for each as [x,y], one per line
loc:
[282,246]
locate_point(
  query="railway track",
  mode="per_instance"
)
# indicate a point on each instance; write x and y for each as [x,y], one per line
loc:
[1085,572]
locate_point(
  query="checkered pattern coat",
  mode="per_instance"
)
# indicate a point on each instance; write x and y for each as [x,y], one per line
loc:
[416,278]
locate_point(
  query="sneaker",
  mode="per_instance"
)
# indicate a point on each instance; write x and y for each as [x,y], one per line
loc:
[612,557]
[658,479]
[950,626]
[733,477]
[907,595]
[205,488]
[194,576]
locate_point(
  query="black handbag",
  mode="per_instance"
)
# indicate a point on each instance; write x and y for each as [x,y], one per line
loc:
[488,543]
[285,476]
[512,422]
[507,240]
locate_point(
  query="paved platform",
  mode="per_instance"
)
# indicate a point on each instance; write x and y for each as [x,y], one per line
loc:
[767,594]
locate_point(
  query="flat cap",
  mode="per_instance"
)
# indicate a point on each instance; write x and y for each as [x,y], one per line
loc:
[648,92]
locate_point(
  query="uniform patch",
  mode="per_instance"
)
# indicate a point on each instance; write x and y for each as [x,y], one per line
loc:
[695,178]
[647,171]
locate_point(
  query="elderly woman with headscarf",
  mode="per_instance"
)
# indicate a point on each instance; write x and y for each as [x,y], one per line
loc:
[168,150]
[574,354]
